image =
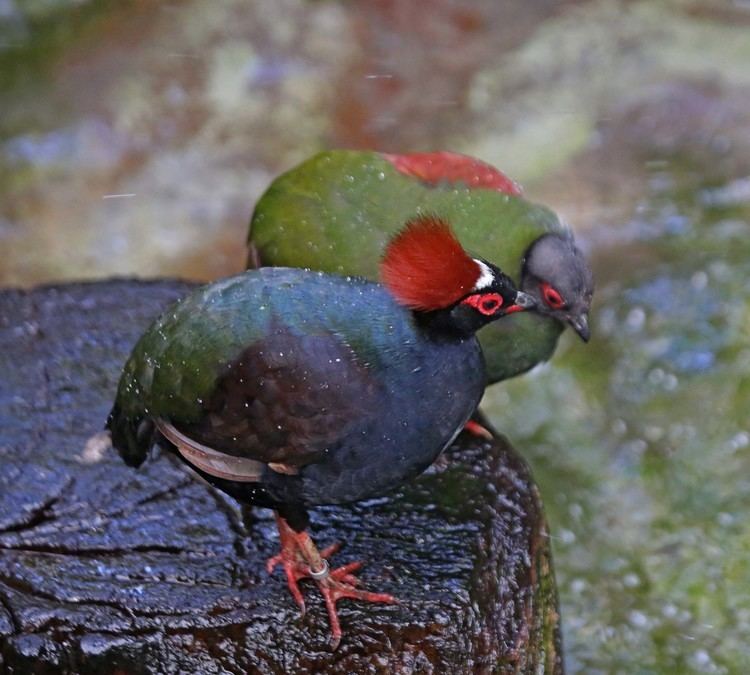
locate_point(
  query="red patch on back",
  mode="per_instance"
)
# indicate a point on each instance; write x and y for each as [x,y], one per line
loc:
[425,267]
[450,167]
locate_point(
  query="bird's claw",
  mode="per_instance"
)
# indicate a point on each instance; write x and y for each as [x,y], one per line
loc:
[334,584]
[297,568]
[294,570]
[340,585]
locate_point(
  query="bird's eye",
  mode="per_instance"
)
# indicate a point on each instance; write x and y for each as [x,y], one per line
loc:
[552,297]
[485,303]
[489,305]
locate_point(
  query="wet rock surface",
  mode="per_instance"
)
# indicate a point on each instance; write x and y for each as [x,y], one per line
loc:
[105,569]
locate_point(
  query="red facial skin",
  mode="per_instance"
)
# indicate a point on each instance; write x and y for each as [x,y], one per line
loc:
[551,296]
[489,303]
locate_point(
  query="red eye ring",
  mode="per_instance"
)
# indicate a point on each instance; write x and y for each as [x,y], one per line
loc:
[485,303]
[552,297]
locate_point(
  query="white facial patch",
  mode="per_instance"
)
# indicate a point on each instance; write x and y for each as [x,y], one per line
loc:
[485,278]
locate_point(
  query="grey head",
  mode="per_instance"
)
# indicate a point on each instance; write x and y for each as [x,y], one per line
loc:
[557,275]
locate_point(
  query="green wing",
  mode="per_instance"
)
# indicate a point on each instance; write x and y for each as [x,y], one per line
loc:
[336,211]
[174,366]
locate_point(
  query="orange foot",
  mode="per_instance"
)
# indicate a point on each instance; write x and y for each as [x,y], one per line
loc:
[301,559]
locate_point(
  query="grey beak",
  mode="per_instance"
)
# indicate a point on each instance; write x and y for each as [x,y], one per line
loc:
[580,325]
[525,300]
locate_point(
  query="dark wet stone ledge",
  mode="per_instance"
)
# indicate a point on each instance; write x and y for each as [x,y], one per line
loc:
[104,569]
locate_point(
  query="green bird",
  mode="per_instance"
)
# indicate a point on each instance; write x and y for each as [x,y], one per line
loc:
[336,211]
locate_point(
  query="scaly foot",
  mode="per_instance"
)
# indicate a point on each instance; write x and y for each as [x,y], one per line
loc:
[301,559]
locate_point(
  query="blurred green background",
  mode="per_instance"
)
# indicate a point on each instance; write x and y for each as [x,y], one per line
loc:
[135,137]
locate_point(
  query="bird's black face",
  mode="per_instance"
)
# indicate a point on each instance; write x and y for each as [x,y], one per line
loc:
[495,296]
[557,276]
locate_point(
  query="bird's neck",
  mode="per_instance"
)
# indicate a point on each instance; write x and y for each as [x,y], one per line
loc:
[452,324]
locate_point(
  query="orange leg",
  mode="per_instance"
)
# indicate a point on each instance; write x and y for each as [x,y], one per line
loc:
[476,429]
[301,559]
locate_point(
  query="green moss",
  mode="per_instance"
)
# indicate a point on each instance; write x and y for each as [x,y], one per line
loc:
[640,443]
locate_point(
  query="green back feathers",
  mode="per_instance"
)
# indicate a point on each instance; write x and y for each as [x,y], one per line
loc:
[336,211]
[175,365]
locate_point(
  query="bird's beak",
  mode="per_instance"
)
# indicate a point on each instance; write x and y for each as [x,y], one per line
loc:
[580,325]
[523,302]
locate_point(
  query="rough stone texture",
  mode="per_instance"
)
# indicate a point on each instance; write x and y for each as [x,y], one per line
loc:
[105,569]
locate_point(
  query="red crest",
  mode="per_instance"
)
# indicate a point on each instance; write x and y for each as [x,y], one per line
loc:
[426,268]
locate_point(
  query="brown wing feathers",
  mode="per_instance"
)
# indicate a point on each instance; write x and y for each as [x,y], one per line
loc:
[211,461]
[282,402]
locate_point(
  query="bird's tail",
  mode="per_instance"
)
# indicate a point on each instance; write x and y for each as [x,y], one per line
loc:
[132,435]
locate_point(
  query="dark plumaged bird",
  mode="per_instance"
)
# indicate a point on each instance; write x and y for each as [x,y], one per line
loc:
[288,388]
[345,204]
